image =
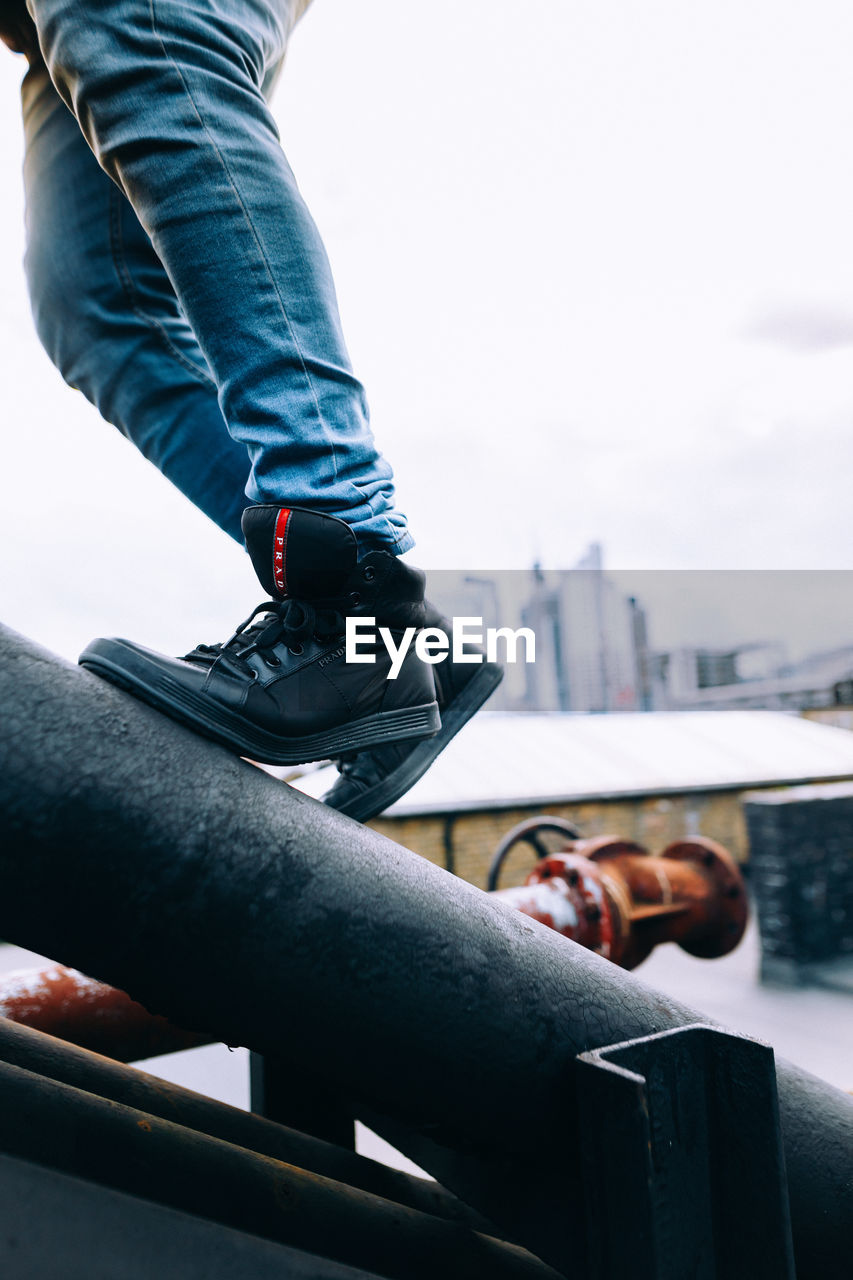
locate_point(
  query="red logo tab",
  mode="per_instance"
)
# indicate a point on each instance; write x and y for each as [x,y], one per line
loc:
[279,550]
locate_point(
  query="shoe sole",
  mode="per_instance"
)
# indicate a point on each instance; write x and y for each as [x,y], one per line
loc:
[212,720]
[376,799]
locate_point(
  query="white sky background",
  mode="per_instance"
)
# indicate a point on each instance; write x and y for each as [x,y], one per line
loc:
[595,265]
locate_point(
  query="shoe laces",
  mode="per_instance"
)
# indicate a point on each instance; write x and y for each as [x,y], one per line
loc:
[273,622]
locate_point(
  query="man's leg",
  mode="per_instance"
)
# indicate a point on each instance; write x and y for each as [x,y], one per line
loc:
[297,374]
[108,317]
[170,97]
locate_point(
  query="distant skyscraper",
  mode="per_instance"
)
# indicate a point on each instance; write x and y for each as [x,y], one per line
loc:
[590,641]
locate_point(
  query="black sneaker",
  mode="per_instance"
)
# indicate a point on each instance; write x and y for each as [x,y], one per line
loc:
[280,690]
[372,780]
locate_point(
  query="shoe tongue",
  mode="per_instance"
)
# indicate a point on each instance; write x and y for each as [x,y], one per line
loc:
[299,553]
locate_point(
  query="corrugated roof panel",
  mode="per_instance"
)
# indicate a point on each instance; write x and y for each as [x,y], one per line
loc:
[502,759]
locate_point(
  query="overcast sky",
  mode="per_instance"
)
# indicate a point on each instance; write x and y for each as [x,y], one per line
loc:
[595,265]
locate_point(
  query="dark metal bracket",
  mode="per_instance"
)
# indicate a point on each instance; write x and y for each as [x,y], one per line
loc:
[682,1159]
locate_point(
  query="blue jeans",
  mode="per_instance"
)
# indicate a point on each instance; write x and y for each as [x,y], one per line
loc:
[176,276]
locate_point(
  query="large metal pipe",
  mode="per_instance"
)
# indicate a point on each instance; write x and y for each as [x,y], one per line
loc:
[137,852]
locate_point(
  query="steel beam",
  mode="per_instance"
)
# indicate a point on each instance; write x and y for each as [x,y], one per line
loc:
[135,851]
[690,1179]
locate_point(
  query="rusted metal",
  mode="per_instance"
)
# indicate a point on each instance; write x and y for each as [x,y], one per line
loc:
[213,894]
[45,1055]
[130,1150]
[65,1003]
[614,898]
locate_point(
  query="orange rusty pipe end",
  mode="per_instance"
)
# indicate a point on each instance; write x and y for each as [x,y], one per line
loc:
[719,919]
[614,898]
[67,1004]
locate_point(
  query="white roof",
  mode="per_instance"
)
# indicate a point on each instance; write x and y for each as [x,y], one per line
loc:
[504,760]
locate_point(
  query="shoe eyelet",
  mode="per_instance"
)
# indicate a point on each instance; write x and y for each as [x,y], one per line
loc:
[355,598]
[271,660]
[296,649]
[369,573]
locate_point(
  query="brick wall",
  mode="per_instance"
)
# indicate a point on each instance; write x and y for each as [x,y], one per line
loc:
[652,821]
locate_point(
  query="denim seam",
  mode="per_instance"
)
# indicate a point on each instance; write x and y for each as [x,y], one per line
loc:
[271,277]
[125,278]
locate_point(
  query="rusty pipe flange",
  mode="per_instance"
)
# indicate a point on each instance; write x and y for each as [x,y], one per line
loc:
[720,869]
[600,848]
[567,893]
[609,858]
